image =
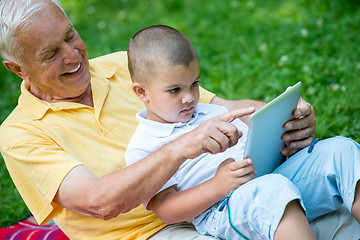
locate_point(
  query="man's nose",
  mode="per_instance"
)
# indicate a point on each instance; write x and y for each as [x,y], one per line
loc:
[71,54]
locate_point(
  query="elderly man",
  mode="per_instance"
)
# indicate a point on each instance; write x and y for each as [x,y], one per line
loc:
[64,143]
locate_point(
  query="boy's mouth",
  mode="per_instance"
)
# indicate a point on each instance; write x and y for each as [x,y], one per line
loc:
[187,110]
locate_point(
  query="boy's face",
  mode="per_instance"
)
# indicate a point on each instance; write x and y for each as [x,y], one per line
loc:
[173,94]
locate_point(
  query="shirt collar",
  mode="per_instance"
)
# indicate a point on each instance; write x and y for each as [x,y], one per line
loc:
[36,108]
[32,106]
[158,129]
[102,70]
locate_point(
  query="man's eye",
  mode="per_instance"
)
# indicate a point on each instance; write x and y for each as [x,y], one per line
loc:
[71,36]
[51,55]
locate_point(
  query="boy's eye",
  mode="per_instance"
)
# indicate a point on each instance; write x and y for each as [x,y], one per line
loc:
[174,90]
[195,84]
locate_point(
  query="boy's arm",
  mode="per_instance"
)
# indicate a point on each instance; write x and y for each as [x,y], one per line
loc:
[172,206]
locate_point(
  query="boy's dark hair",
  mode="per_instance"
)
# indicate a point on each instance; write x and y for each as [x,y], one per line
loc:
[155,47]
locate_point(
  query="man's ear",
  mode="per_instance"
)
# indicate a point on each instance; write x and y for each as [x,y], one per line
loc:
[140,91]
[13,67]
[16,68]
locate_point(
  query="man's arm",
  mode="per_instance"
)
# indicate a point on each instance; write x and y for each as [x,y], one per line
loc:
[300,130]
[107,196]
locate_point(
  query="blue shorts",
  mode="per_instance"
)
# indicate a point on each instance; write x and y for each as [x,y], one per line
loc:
[256,209]
[327,176]
[322,180]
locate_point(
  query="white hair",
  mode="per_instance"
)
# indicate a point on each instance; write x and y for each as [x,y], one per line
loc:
[14,16]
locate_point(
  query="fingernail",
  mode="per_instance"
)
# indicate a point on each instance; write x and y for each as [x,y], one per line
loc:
[289,126]
[251,108]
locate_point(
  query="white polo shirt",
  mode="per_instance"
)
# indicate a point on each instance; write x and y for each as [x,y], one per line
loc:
[151,135]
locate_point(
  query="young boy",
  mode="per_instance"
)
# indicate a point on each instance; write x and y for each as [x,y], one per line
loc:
[164,68]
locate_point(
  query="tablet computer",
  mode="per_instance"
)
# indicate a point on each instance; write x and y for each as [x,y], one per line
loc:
[264,142]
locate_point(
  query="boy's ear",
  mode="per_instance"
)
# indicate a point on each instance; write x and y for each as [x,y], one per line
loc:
[140,91]
[16,68]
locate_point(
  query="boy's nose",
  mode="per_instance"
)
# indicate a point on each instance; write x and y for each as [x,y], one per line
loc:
[188,98]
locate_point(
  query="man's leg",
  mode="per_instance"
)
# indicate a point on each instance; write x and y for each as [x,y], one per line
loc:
[337,225]
[180,231]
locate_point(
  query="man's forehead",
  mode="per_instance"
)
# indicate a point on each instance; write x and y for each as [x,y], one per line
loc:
[46,22]
[49,45]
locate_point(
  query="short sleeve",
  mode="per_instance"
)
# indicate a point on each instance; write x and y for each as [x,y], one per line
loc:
[205,96]
[37,168]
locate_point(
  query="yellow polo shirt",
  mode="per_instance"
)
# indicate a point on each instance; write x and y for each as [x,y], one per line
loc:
[41,142]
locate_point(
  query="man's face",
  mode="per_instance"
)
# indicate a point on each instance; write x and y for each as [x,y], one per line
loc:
[55,62]
[173,94]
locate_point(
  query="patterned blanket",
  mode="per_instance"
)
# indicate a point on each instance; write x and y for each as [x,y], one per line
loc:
[28,229]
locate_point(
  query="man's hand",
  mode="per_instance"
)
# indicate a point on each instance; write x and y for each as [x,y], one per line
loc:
[213,136]
[301,130]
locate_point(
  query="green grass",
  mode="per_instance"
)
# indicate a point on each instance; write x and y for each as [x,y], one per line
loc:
[247,49]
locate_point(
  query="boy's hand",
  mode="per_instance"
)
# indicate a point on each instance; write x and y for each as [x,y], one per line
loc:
[213,136]
[232,174]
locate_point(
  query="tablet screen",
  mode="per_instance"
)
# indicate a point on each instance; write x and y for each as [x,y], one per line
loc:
[264,142]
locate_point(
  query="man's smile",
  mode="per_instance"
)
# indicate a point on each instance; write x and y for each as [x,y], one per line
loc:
[74,70]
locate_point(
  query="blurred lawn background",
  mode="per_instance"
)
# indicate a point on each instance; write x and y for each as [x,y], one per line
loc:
[247,49]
